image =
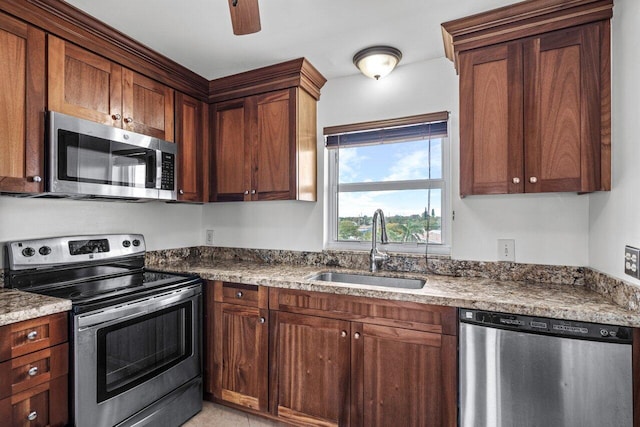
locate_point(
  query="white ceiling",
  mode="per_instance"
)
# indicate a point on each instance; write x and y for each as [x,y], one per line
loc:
[198,34]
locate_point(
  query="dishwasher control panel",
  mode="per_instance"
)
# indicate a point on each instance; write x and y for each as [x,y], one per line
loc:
[547,326]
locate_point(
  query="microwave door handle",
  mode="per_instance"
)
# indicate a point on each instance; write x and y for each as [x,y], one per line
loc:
[158,183]
[151,169]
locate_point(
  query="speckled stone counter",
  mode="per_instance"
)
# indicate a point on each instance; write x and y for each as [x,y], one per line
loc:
[16,306]
[569,302]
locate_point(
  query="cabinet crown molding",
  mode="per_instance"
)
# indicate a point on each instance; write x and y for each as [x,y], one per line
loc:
[295,73]
[524,19]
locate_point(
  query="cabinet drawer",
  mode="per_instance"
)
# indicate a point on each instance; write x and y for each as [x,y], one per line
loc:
[42,405]
[33,369]
[409,315]
[237,293]
[32,335]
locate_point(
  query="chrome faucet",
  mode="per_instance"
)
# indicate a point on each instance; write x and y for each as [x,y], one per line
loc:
[376,257]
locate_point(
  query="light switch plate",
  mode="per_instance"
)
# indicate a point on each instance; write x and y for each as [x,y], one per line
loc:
[631,261]
[506,250]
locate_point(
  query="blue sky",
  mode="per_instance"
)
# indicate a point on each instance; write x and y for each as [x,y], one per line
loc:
[389,162]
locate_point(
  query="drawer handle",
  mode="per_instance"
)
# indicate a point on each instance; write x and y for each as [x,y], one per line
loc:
[32,415]
[33,371]
[32,335]
[239,294]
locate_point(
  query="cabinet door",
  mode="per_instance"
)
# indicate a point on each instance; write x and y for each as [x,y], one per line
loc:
[231,167]
[491,105]
[241,355]
[43,405]
[403,377]
[22,102]
[83,84]
[310,369]
[272,133]
[189,137]
[147,106]
[562,111]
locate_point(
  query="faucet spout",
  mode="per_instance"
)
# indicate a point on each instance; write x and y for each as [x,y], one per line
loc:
[376,257]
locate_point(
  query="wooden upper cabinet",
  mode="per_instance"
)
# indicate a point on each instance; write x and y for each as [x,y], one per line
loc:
[22,102]
[534,108]
[273,143]
[264,134]
[147,106]
[562,110]
[491,120]
[190,124]
[231,164]
[88,86]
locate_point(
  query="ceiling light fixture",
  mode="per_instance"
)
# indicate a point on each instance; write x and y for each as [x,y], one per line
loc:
[377,61]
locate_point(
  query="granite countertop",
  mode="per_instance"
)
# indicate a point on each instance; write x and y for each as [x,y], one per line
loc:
[569,302]
[16,306]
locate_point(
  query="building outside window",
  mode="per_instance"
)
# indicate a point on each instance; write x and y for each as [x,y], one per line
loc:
[399,166]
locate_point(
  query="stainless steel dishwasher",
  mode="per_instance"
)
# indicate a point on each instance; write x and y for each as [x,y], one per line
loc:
[533,372]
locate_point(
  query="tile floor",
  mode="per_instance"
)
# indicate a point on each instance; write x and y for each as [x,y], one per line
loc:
[213,415]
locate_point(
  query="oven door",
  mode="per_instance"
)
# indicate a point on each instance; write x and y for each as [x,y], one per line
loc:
[128,357]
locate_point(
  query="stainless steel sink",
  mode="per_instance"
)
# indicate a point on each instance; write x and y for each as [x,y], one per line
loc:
[363,279]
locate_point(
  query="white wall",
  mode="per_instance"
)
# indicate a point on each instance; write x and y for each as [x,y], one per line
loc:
[164,225]
[548,229]
[614,217]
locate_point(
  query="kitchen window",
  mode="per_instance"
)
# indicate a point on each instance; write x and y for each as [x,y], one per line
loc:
[399,166]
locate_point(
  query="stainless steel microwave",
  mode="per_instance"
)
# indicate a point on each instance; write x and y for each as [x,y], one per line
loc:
[87,159]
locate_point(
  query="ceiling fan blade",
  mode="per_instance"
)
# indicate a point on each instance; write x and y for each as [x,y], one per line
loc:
[245,16]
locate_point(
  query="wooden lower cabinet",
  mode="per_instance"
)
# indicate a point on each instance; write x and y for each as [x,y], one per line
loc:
[310,369]
[34,366]
[241,355]
[332,360]
[402,377]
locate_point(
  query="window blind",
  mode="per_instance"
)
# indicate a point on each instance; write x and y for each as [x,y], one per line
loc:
[388,135]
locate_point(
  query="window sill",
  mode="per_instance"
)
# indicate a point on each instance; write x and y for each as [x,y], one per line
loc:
[440,251]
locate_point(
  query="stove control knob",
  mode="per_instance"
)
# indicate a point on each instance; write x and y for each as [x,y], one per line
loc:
[28,252]
[126,243]
[136,243]
[44,250]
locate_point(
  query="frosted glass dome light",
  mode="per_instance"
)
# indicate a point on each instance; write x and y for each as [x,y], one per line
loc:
[377,61]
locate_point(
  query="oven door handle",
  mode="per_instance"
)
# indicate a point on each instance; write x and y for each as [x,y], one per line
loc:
[136,308]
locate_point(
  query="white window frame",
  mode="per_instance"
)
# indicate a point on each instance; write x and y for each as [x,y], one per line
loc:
[444,184]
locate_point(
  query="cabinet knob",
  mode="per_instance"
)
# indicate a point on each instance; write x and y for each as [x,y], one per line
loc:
[533,180]
[37,178]
[128,120]
[246,192]
[262,320]
[33,371]
[357,335]
[343,334]
[181,191]
[32,415]
[253,191]
[32,335]
[239,294]
[116,116]
[516,180]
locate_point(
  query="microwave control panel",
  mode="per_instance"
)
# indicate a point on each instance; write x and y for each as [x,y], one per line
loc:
[168,171]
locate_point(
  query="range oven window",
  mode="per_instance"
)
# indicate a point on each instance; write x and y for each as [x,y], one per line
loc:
[132,352]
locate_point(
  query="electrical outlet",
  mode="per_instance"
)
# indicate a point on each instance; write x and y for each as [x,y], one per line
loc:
[506,250]
[208,239]
[631,260]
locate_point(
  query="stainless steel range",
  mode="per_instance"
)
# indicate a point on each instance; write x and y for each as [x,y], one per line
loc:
[136,334]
